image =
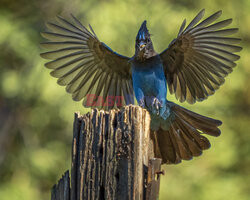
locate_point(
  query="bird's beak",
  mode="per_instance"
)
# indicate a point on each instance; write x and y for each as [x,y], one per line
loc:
[142,45]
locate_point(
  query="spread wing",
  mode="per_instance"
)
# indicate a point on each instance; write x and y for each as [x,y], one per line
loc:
[199,59]
[88,68]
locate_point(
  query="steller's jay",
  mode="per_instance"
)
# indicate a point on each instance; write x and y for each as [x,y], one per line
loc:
[192,67]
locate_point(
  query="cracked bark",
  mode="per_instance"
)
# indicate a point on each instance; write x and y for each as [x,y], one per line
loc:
[112,158]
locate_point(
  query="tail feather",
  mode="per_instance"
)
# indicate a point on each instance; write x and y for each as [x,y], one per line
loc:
[184,150]
[205,124]
[190,141]
[166,146]
[194,135]
[182,140]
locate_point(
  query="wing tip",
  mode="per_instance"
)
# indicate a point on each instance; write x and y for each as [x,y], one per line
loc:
[219,13]
[42,33]
[231,20]
[43,55]
[202,11]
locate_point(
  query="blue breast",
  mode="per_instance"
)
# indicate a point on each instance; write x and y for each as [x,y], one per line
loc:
[149,78]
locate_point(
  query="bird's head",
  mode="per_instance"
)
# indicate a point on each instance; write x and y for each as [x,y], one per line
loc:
[143,45]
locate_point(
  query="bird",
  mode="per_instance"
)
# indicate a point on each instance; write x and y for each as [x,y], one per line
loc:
[192,67]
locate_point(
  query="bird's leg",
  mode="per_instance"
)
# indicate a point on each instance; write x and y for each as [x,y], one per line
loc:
[140,97]
[164,111]
[159,107]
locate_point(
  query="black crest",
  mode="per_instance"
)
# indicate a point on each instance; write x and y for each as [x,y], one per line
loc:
[143,32]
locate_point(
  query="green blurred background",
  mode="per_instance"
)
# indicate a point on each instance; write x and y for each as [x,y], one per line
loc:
[36,114]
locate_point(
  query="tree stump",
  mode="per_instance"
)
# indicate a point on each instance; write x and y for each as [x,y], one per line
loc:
[112,158]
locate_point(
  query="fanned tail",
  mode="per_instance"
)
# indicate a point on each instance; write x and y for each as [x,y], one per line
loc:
[181,139]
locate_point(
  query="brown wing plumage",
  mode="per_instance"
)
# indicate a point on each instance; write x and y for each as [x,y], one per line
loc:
[87,66]
[199,59]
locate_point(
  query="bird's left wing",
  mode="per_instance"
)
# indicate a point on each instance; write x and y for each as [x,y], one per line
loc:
[197,61]
[88,68]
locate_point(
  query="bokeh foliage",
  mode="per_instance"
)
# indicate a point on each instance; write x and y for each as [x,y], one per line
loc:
[36,114]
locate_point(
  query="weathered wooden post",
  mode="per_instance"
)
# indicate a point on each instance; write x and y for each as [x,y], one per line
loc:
[112,158]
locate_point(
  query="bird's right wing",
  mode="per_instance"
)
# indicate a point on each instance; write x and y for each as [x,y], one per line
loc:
[199,59]
[88,68]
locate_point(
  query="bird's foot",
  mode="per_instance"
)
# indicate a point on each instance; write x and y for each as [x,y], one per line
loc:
[142,103]
[155,106]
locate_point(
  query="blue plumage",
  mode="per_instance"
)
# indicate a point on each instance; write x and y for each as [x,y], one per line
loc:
[150,89]
[149,84]
[149,77]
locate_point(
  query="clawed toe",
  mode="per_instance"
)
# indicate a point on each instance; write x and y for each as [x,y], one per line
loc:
[142,103]
[156,105]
